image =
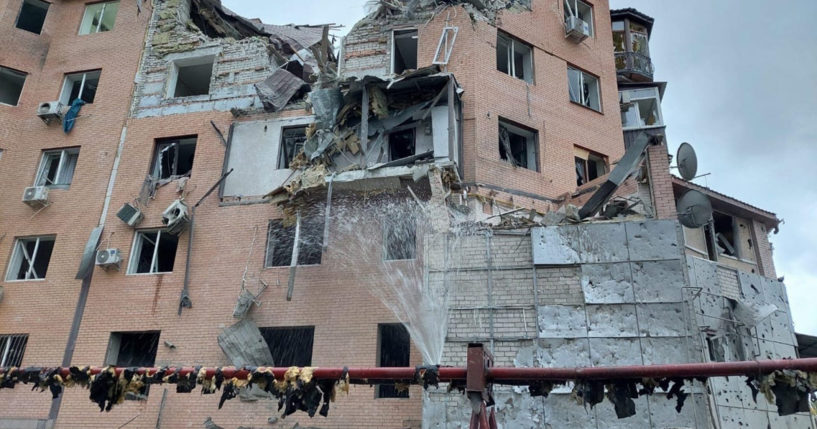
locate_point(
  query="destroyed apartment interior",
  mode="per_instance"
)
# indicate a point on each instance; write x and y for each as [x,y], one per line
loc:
[455,213]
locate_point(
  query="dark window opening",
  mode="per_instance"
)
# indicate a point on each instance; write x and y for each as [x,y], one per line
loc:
[11,85]
[30,258]
[514,57]
[517,145]
[401,144]
[133,349]
[12,348]
[32,15]
[716,352]
[193,79]
[291,346]
[404,51]
[400,238]
[153,252]
[393,351]
[80,85]
[281,242]
[589,168]
[725,234]
[710,242]
[292,143]
[173,157]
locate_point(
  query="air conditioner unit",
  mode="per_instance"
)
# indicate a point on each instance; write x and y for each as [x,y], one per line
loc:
[50,110]
[130,215]
[576,29]
[176,217]
[36,196]
[108,258]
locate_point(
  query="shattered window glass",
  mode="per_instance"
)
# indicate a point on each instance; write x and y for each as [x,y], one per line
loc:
[80,85]
[583,88]
[30,258]
[173,157]
[99,17]
[399,238]
[292,143]
[153,252]
[281,242]
[12,348]
[393,351]
[517,145]
[290,346]
[57,167]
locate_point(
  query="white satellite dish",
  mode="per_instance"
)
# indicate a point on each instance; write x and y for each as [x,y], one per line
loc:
[694,209]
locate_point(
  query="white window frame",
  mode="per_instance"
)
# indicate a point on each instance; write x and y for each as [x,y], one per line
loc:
[20,252]
[136,248]
[572,9]
[511,53]
[69,80]
[641,94]
[64,160]
[6,348]
[584,102]
[101,16]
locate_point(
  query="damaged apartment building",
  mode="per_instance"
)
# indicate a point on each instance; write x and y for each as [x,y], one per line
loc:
[200,188]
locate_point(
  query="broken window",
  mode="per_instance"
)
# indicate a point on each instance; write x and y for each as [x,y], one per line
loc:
[290,346]
[514,57]
[80,85]
[30,257]
[715,347]
[292,143]
[589,165]
[399,238]
[446,45]
[580,10]
[281,242]
[99,17]
[642,110]
[133,349]
[153,252]
[57,167]
[11,85]
[32,15]
[191,77]
[402,143]
[392,351]
[619,36]
[173,157]
[12,348]
[404,51]
[583,88]
[639,39]
[517,145]
[726,234]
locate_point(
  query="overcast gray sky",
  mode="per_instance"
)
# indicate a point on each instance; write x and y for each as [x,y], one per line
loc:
[742,88]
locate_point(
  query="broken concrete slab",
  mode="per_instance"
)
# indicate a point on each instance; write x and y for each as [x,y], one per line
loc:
[607,283]
[244,345]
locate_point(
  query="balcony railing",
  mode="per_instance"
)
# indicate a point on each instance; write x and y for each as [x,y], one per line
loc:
[633,62]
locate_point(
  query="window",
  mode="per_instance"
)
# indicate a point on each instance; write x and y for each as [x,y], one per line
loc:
[392,350]
[399,238]
[580,10]
[32,15]
[292,143]
[517,145]
[639,39]
[173,157]
[404,51]
[643,109]
[589,165]
[12,348]
[402,142]
[191,77]
[281,242]
[153,252]
[514,57]
[290,346]
[583,88]
[30,257]
[11,85]
[726,234]
[99,17]
[619,36]
[57,167]
[80,85]
[133,349]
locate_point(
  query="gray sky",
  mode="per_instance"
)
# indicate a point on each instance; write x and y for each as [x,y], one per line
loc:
[742,88]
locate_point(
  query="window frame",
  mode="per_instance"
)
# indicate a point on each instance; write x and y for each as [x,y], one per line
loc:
[6,342]
[591,156]
[18,74]
[511,65]
[65,156]
[283,159]
[520,129]
[101,17]
[582,74]
[735,236]
[19,254]
[298,232]
[634,98]
[160,144]
[293,331]
[589,6]
[395,34]
[136,248]
[65,92]
[20,13]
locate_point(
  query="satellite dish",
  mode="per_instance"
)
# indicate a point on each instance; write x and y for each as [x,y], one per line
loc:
[687,161]
[694,209]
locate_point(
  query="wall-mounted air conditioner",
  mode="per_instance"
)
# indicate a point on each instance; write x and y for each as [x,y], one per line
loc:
[36,196]
[108,258]
[576,29]
[130,215]
[176,217]
[49,111]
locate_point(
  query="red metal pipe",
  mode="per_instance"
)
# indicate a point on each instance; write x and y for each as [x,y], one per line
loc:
[499,375]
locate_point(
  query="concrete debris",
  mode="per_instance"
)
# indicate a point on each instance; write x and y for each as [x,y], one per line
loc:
[244,345]
[209,424]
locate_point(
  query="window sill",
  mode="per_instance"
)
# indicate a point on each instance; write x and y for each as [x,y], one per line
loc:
[646,127]
[23,280]
[149,274]
[9,105]
[734,258]
[587,107]
[515,78]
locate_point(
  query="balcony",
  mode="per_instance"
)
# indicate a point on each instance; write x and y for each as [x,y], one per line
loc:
[634,66]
